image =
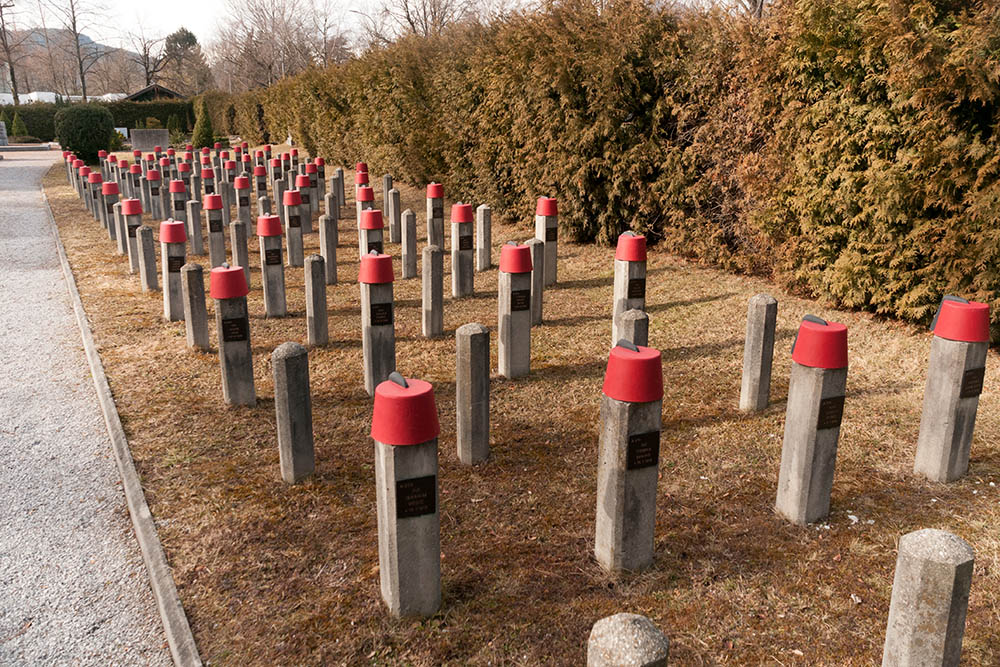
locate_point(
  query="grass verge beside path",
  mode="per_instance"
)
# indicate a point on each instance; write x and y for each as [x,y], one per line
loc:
[273,574]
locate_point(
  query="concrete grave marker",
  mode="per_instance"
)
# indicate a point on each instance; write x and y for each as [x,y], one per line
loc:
[260,180]
[173,251]
[238,241]
[386,188]
[109,197]
[306,203]
[435,215]
[121,233]
[395,217]
[178,201]
[432,292]
[338,185]
[314,196]
[758,353]
[537,249]
[409,249]
[630,280]
[195,313]
[365,202]
[228,286]
[484,238]
[155,198]
[293,227]
[370,233]
[472,393]
[216,230]
[317,326]
[635,327]
[132,213]
[94,182]
[547,230]
[461,251]
[514,311]
[378,333]
[241,187]
[329,237]
[147,259]
[272,267]
[293,412]
[193,215]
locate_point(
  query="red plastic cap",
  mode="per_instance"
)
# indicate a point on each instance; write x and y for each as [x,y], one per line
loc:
[131,207]
[217,145]
[152,175]
[311,168]
[375,269]
[631,248]
[361,178]
[85,172]
[285,157]
[206,160]
[227,282]
[224,155]
[207,173]
[515,258]
[189,156]
[546,206]
[268,225]
[136,153]
[245,145]
[94,177]
[405,415]
[66,154]
[365,193]
[101,154]
[135,169]
[213,202]
[635,376]
[361,167]
[184,166]
[113,159]
[229,165]
[292,198]
[150,157]
[275,162]
[295,152]
[177,186]
[435,191]
[171,152]
[172,231]
[267,148]
[109,188]
[247,158]
[820,344]
[259,154]
[320,162]
[260,170]
[158,149]
[302,181]
[189,147]
[372,219]
[967,322]
[241,183]
[78,163]
[164,162]
[461,213]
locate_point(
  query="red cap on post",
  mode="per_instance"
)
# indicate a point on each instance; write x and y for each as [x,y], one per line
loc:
[229,165]
[207,174]
[365,193]
[241,183]
[634,374]
[372,219]
[206,162]
[311,168]
[136,153]
[131,207]
[285,157]
[631,248]
[171,152]
[101,154]
[246,158]
[177,186]
[515,258]
[292,198]
[172,231]
[224,155]
[109,188]
[295,152]
[217,146]
[301,181]
[260,170]
[245,145]
[275,162]
[227,282]
[213,202]
[184,166]
[404,412]
[152,175]
[164,162]
[461,213]
[259,154]
[267,148]
[375,269]
[66,154]
[188,156]
[361,178]
[268,225]
[546,206]
[961,320]
[113,159]
[820,344]
[85,171]
[361,167]
[189,147]
[435,191]
[150,157]
[78,163]
[95,177]
[135,169]
[158,149]
[320,162]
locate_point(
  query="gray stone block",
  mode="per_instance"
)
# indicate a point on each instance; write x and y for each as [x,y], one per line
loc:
[514,326]
[537,279]
[472,393]
[409,250]
[147,260]
[435,222]
[193,213]
[293,221]
[272,276]
[238,240]
[634,327]
[172,260]
[484,238]
[629,293]
[395,217]
[329,237]
[318,328]
[627,640]
[378,341]
[235,358]
[293,408]
[195,313]
[216,238]
[432,292]
[462,259]
[547,231]
[758,353]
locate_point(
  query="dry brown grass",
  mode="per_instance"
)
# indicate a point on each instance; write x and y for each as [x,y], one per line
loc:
[274,574]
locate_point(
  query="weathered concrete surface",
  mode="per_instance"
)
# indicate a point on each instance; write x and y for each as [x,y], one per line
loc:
[74,587]
[634,327]
[195,311]
[432,292]
[293,411]
[627,640]
[472,393]
[758,353]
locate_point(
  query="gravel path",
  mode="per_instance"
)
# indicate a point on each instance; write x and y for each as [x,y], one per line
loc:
[73,589]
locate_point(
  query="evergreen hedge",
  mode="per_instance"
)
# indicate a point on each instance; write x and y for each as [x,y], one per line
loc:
[39,118]
[848,149]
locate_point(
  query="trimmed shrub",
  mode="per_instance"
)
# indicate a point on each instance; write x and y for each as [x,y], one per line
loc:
[203,134]
[85,129]
[24,139]
[17,127]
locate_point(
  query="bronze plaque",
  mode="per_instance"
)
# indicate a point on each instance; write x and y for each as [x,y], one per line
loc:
[831,412]
[376,246]
[272,256]
[154,191]
[551,233]
[637,288]
[294,221]
[416,497]
[178,204]
[215,225]
[972,382]
[235,329]
[244,201]
[131,230]
[209,188]
[305,199]
[465,242]
[381,314]
[643,450]
[174,263]
[520,300]
[111,207]
[437,212]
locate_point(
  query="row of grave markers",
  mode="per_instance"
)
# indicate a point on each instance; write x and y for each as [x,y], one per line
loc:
[405,425]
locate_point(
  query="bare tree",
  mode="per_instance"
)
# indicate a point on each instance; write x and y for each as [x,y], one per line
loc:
[11,42]
[754,8]
[331,44]
[149,53]
[75,16]
[58,81]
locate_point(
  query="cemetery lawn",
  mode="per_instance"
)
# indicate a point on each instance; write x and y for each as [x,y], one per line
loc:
[276,574]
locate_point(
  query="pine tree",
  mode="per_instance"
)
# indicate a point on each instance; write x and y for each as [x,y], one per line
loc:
[17,128]
[203,133]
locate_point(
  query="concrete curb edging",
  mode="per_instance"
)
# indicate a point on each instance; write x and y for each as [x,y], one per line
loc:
[175,624]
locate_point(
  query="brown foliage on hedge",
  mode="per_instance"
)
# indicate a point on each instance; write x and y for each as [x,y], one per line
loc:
[848,148]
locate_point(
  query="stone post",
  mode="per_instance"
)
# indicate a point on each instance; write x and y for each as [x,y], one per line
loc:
[472,393]
[930,597]
[386,188]
[184,174]
[83,187]
[193,208]
[514,306]
[361,181]
[630,279]
[121,232]
[461,251]
[370,234]
[312,174]
[435,215]
[293,408]
[338,174]
[409,249]
[147,259]
[135,182]
[238,241]
[320,184]
[954,382]
[432,292]
[147,203]
[132,212]
[173,250]
[229,170]
[627,639]
[94,182]
[394,212]
[207,182]
[547,230]
[228,287]
[178,201]
[378,333]
[484,238]
[758,353]
[329,237]
[305,208]
[109,197]
[537,249]
[629,457]
[241,186]
[635,327]
[293,227]
[263,206]
[260,180]
[812,422]
[365,202]
[317,326]
[272,268]
[153,184]
[216,231]
[295,158]
[279,197]
[227,193]
[274,174]
[405,429]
